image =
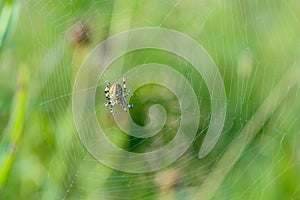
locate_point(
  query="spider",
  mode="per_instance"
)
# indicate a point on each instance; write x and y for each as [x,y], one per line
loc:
[115,94]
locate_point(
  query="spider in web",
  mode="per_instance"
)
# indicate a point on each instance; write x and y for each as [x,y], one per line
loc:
[115,94]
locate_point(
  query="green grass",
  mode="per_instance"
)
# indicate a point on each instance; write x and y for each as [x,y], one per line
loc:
[12,134]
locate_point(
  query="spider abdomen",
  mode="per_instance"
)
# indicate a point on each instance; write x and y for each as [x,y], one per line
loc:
[116,93]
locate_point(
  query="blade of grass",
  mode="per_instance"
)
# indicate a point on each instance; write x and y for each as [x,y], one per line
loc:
[8,12]
[13,131]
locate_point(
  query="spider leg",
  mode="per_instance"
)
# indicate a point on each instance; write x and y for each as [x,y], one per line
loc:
[125,103]
[106,91]
[109,103]
[130,105]
[124,107]
[124,85]
[111,108]
[124,89]
[128,94]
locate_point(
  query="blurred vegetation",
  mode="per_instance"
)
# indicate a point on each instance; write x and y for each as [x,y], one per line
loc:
[43,43]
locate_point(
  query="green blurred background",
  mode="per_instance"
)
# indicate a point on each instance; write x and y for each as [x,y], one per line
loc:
[255,44]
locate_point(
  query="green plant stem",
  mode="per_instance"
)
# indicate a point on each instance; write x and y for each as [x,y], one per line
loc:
[13,131]
[8,12]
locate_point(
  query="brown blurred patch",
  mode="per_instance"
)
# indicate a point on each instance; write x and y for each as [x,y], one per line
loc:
[168,179]
[80,33]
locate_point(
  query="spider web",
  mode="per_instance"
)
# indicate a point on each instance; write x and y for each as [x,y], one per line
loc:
[256,49]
